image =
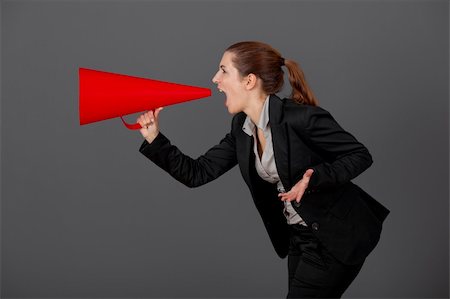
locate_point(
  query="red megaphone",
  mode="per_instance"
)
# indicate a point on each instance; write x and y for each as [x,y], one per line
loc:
[106,95]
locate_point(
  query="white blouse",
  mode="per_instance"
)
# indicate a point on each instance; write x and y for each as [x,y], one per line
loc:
[266,167]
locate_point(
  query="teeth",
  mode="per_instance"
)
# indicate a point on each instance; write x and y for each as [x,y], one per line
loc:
[220,90]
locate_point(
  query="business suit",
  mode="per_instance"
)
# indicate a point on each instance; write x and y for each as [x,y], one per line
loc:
[345,219]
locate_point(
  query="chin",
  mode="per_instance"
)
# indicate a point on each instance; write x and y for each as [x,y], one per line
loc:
[231,110]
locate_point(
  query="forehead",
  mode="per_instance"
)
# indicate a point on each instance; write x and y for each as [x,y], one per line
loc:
[227,59]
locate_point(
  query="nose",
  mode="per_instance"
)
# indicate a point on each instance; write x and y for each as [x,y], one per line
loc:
[215,79]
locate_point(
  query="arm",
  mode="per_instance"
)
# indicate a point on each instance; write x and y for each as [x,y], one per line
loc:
[344,157]
[191,172]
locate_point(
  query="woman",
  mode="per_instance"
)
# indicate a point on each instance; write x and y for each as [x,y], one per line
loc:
[298,164]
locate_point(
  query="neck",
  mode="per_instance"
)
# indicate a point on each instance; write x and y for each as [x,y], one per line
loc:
[255,106]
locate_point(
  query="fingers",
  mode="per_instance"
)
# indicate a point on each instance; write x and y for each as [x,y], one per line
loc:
[149,118]
[291,196]
[290,199]
[296,193]
[307,176]
[287,196]
[141,120]
[144,120]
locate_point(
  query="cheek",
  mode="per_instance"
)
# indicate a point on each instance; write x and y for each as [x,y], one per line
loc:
[235,89]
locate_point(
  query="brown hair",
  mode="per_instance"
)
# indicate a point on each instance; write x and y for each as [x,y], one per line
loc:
[266,62]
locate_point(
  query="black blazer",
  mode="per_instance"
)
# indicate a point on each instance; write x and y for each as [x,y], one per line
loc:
[343,217]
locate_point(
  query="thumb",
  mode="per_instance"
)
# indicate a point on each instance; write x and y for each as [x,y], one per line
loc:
[157,112]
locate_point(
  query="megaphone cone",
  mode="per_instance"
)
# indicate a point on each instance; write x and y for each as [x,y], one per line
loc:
[104,95]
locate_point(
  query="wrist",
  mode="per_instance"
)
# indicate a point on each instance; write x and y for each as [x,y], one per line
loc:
[150,138]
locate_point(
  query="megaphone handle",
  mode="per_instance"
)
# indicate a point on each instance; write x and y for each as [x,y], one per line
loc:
[135,126]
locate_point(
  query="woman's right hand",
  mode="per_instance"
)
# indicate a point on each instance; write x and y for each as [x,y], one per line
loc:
[149,122]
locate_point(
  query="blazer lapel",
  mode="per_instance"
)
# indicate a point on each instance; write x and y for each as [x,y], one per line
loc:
[245,155]
[278,129]
[280,141]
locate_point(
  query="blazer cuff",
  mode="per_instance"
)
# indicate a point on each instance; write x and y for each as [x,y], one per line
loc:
[150,149]
[315,177]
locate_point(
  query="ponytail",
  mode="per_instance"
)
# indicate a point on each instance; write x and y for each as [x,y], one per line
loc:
[301,93]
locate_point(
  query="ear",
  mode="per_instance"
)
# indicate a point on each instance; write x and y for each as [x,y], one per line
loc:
[250,81]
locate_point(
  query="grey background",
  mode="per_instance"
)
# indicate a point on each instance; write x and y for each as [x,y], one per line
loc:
[84,214]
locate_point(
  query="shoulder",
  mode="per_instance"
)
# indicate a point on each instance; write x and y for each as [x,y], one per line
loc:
[290,106]
[290,112]
[300,114]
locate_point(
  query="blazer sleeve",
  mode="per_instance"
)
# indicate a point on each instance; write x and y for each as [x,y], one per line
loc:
[344,157]
[192,172]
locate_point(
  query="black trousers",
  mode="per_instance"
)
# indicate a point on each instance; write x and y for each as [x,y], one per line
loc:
[313,271]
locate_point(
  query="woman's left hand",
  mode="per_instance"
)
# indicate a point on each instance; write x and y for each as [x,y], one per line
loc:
[298,189]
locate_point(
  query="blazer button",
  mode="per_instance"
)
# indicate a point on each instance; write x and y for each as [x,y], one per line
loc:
[315,226]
